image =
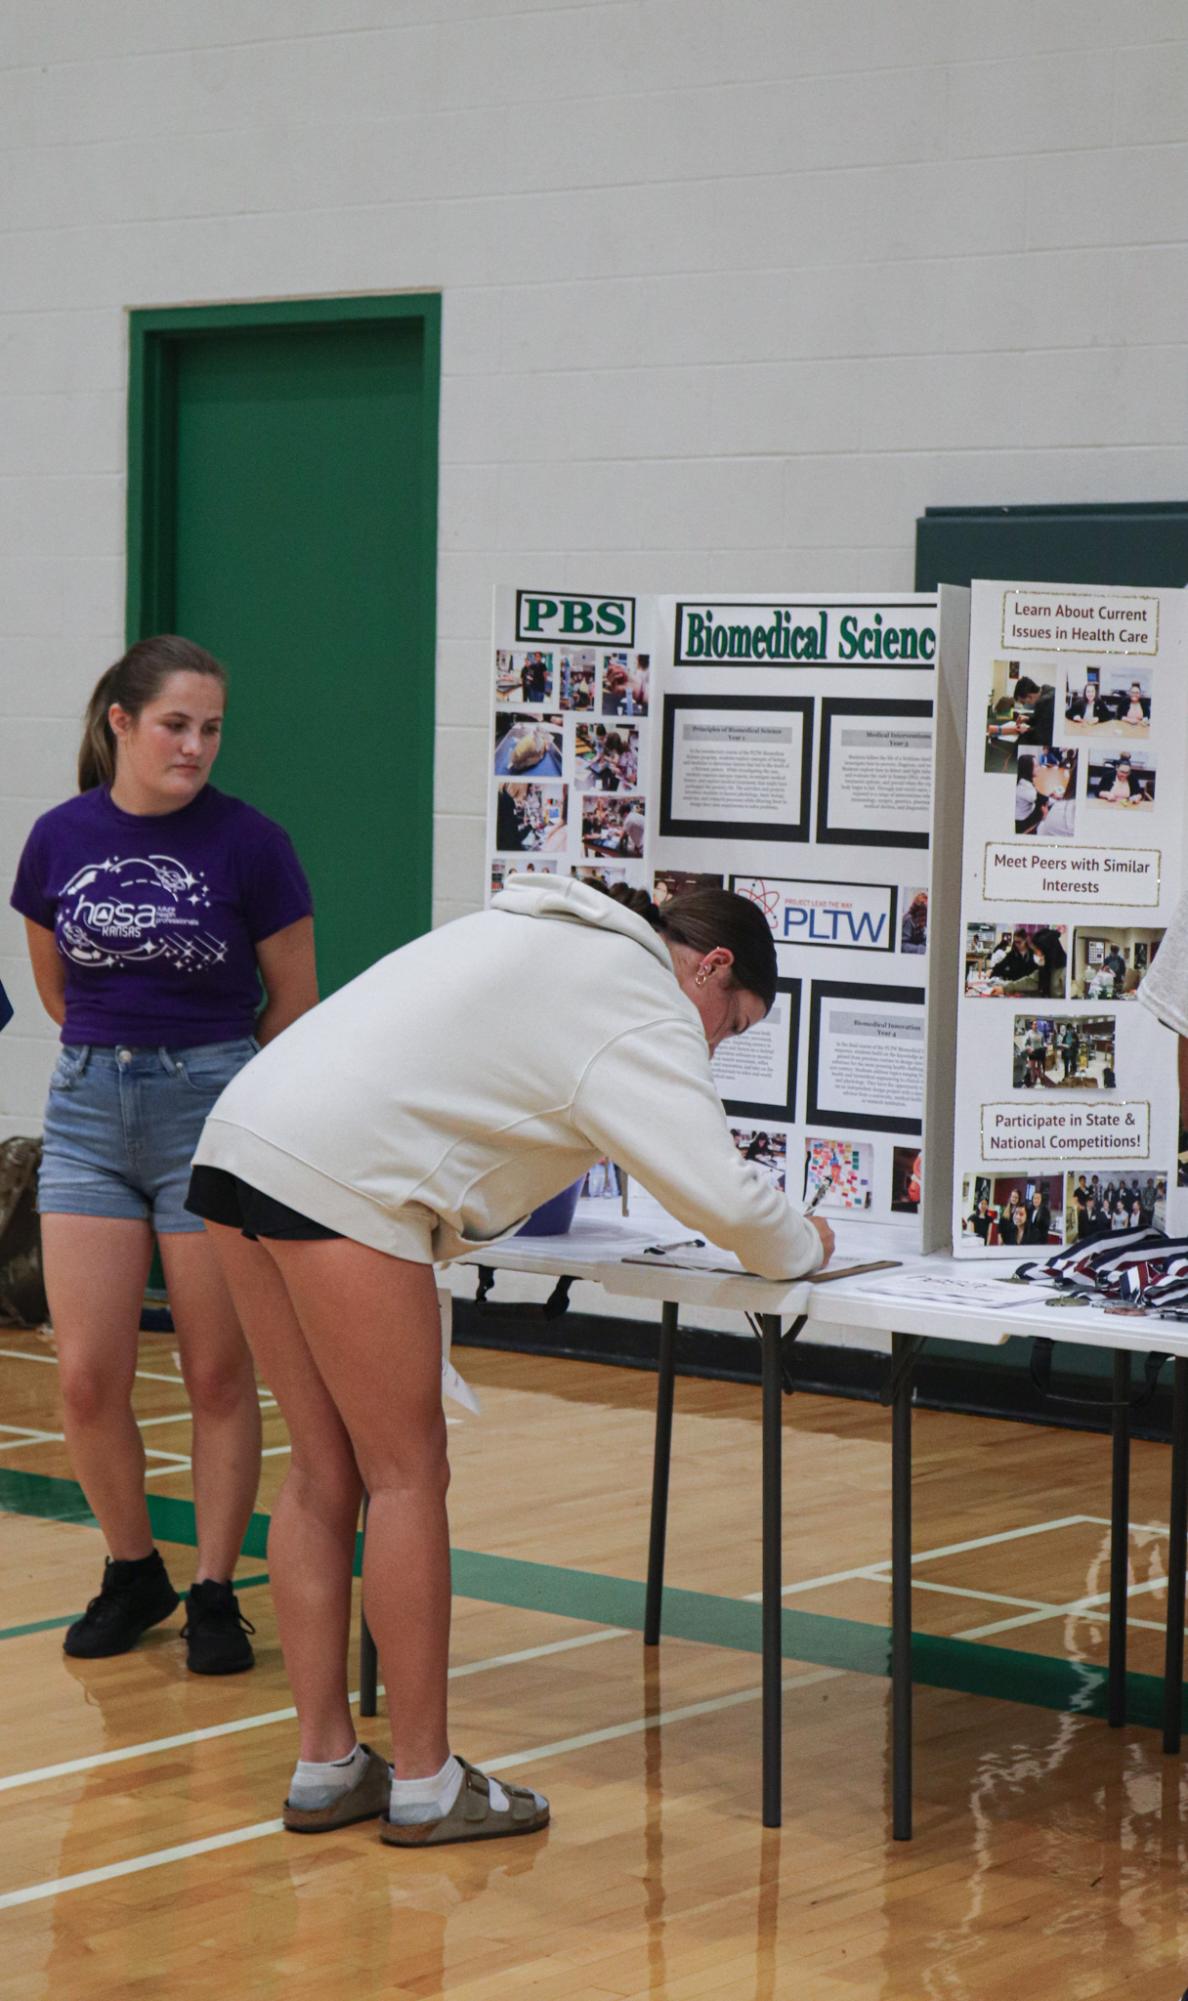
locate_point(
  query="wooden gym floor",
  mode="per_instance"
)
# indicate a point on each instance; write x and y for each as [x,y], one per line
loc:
[140,1848]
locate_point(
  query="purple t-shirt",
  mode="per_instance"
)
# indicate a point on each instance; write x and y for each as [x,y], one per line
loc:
[158,915]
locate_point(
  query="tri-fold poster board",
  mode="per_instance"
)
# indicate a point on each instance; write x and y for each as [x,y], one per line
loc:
[1067,1121]
[781,746]
[963,817]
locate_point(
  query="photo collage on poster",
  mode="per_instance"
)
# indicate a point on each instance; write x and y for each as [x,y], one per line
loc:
[1066,1124]
[835,1075]
[571,717]
[782,749]
[794,744]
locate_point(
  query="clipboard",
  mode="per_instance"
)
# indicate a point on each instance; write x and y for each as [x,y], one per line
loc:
[854,1271]
[737,1271]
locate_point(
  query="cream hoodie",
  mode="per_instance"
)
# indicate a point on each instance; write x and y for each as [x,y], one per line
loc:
[479,1070]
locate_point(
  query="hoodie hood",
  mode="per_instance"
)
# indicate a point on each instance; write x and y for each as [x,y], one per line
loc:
[574,902]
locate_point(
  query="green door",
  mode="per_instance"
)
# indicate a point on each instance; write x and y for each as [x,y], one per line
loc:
[283,499]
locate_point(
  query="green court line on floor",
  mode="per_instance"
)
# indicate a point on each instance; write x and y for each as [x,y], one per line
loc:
[47,1498]
[969,1667]
[59,1625]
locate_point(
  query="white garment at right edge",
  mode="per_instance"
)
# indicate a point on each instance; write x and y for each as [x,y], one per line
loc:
[1165,989]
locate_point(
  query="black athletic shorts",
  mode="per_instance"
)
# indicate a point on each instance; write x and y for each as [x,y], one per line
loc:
[223,1198]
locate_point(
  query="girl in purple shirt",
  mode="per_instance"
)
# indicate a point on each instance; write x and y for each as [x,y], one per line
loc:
[154,905]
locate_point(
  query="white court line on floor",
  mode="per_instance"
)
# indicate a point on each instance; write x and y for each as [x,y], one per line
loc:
[1038,1609]
[1132,1591]
[1003,1535]
[862,1570]
[880,1570]
[267,1400]
[160,1858]
[36,1892]
[1039,1605]
[1077,1608]
[185,1851]
[280,1451]
[267,1452]
[1142,1528]
[1011,1625]
[142,1424]
[1074,1608]
[179,1458]
[173,1462]
[71,1766]
[265,1718]
[880,1573]
[150,1375]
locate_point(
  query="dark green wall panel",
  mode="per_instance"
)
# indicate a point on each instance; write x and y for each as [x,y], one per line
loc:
[1132,542]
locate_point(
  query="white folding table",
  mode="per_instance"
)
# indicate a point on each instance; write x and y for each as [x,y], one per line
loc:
[911,1318]
[603,1250]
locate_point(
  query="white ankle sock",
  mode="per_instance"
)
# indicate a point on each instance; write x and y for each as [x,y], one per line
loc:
[416,1800]
[316,1785]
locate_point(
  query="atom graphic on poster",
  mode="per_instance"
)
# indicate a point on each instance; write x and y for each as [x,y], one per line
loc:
[766,895]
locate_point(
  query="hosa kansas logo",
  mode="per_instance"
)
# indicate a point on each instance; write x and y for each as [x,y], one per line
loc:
[125,912]
[561,615]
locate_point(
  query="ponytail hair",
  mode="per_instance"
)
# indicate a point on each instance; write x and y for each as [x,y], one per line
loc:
[705,919]
[135,679]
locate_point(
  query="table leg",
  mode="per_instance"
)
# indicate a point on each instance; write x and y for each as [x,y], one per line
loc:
[661,1461]
[773,1603]
[368,1671]
[368,1659]
[1177,1555]
[903,1348]
[1119,1539]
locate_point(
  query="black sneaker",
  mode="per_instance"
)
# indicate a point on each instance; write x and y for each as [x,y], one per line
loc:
[134,1597]
[216,1632]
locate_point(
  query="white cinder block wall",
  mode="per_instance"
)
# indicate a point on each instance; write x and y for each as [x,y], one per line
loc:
[732,290]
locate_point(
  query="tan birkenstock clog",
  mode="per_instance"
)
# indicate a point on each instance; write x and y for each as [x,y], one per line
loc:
[472,1816]
[366,1799]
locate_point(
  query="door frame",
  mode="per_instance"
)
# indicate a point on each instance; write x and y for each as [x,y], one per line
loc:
[153,335]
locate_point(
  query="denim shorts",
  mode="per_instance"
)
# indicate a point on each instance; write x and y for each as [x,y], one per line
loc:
[122,1126]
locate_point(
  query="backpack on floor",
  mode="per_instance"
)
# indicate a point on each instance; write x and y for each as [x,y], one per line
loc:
[22,1288]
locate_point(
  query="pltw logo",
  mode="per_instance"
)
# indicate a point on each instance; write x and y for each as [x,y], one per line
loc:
[562,615]
[850,916]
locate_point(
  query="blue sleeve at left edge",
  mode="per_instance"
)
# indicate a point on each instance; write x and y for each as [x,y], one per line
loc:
[5,1009]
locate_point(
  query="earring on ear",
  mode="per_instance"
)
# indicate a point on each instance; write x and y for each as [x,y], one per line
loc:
[701,978]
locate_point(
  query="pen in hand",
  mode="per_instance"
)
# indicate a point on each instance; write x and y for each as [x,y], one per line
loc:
[818,1196]
[679,1244]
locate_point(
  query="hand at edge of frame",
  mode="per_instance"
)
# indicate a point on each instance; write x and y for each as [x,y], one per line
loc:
[827,1239]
